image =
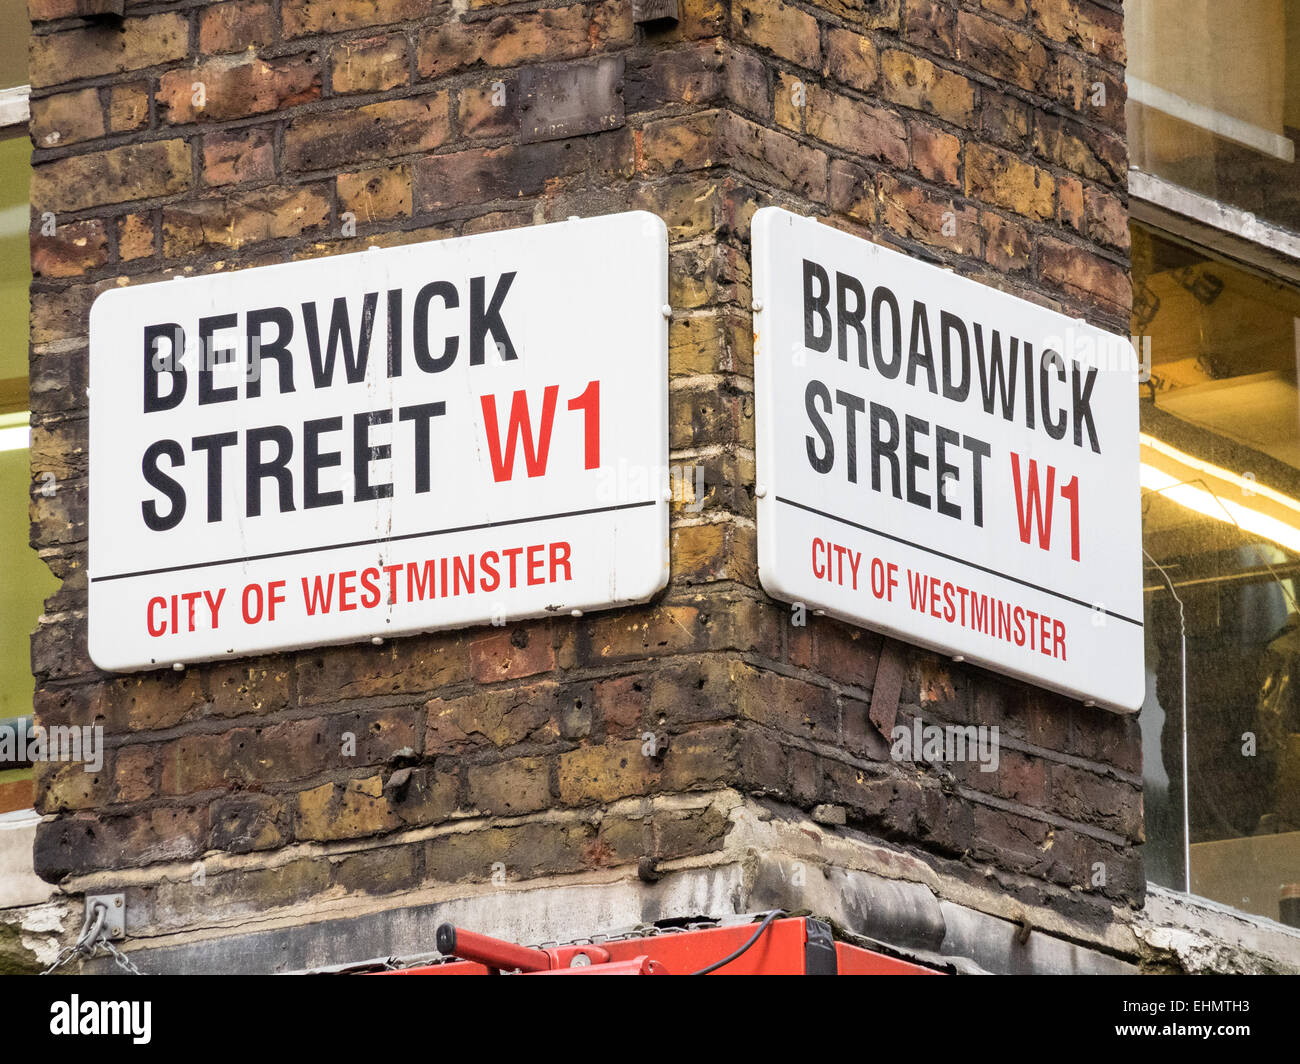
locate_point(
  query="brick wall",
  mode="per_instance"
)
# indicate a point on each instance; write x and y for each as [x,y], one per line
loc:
[195,137]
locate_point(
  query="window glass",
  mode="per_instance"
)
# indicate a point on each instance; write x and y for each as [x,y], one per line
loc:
[1214,99]
[1220,471]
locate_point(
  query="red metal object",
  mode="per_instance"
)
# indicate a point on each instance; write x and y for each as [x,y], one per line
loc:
[790,946]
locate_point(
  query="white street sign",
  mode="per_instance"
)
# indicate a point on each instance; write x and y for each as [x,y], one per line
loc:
[946,463]
[445,434]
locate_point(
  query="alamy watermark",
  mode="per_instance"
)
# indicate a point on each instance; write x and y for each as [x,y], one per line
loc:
[946,743]
[59,742]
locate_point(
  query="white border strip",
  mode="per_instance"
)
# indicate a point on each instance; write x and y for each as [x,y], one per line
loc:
[1211,212]
[15,106]
[1218,123]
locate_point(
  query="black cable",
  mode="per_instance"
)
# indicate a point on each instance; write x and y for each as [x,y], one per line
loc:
[767,920]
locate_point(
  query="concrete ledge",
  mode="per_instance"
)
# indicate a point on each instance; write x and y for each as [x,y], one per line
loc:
[19,884]
[773,858]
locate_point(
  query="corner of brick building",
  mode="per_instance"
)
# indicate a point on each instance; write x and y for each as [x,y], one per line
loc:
[681,755]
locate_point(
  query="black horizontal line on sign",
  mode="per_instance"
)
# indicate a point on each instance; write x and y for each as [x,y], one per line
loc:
[953,558]
[378,540]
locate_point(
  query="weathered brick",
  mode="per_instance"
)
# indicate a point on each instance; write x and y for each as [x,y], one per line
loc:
[75,248]
[232,27]
[861,736]
[242,688]
[867,131]
[915,214]
[302,17]
[867,14]
[637,633]
[484,174]
[766,155]
[693,75]
[1095,29]
[1066,79]
[622,703]
[1084,151]
[789,705]
[141,704]
[780,28]
[242,823]
[86,843]
[67,118]
[376,195]
[762,763]
[379,871]
[930,24]
[344,810]
[936,155]
[1007,245]
[1069,202]
[511,653]
[673,145]
[502,717]
[718,550]
[490,109]
[447,48]
[394,127]
[495,221]
[404,666]
[703,415]
[168,905]
[374,64]
[131,172]
[853,191]
[197,762]
[1004,120]
[851,59]
[68,786]
[239,157]
[99,48]
[700,759]
[135,774]
[716,343]
[1091,798]
[369,737]
[128,107]
[689,208]
[913,81]
[600,774]
[1012,10]
[237,87]
[48,10]
[509,788]
[1005,181]
[519,852]
[1085,276]
[243,218]
[1107,218]
[699,276]
[543,36]
[1000,51]
[844,653]
[429,795]
[695,19]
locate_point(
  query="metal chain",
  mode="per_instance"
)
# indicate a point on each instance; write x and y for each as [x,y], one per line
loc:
[119,958]
[92,940]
